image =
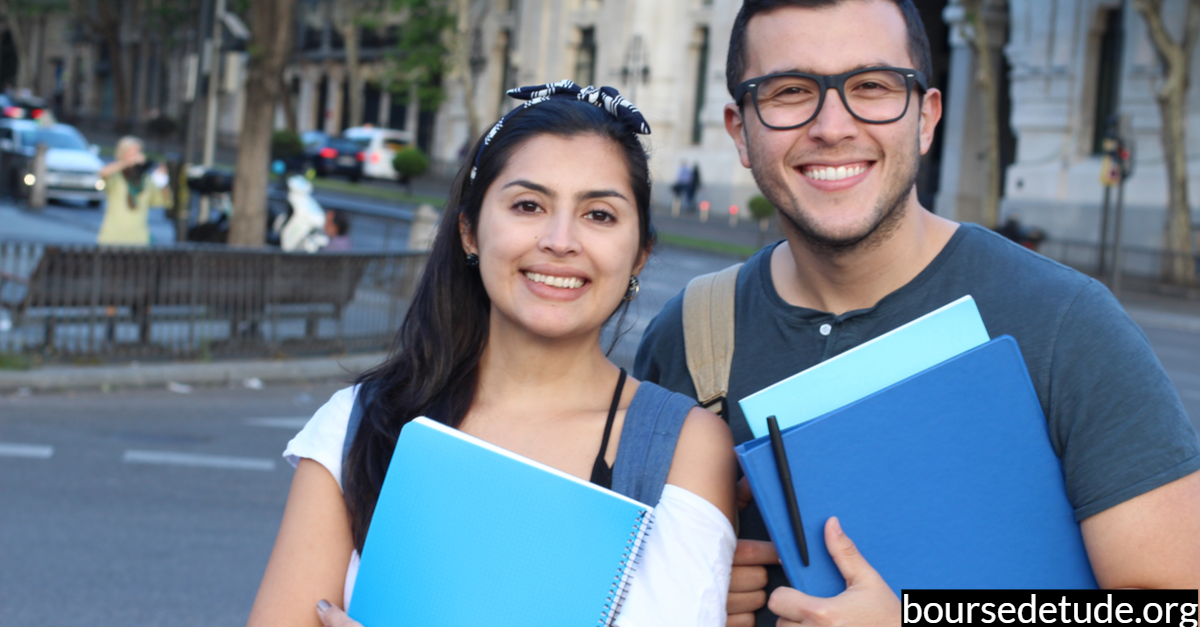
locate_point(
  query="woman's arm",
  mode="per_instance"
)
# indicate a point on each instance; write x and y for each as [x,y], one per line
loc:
[311,554]
[704,462]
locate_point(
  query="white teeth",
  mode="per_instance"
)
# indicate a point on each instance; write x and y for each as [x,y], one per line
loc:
[834,174]
[570,283]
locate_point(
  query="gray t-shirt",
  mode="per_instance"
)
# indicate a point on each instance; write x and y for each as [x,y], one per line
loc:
[1115,419]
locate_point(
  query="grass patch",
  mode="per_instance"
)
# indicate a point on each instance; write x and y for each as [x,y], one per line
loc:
[15,361]
[707,245]
[394,195]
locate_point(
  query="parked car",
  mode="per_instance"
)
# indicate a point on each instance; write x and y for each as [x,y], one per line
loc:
[72,166]
[21,108]
[379,146]
[339,156]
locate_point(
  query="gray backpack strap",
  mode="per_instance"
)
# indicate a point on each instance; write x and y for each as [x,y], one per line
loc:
[652,425]
[708,333]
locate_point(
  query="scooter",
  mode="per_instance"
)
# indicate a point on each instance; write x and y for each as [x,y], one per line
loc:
[295,222]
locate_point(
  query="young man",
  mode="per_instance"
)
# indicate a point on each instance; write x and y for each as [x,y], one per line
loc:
[832,112]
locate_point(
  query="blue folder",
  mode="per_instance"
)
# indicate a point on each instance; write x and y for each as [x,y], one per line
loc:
[868,367]
[944,480]
[467,533]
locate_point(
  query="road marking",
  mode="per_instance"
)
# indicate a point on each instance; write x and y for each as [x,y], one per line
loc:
[278,423]
[206,461]
[33,451]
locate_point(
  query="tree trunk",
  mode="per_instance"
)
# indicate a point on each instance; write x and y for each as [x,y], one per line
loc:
[289,105]
[462,54]
[985,77]
[110,30]
[272,46]
[24,59]
[1179,266]
[348,25]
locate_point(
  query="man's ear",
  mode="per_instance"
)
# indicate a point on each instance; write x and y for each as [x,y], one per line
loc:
[931,113]
[467,237]
[735,126]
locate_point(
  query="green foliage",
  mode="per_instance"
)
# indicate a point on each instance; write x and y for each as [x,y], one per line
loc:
[423,55]
[761,208]
[410,162]
[286,144]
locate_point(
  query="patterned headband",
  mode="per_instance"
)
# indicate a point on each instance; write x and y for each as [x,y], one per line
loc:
[605,98]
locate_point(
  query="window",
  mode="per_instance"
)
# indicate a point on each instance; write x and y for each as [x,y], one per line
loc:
[585,57]
[1107,79]
[701,88]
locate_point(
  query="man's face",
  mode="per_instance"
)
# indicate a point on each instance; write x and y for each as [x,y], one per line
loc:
[799,170]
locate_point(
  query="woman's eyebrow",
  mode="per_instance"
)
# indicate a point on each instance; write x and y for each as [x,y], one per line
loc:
[541,189]
[602,193]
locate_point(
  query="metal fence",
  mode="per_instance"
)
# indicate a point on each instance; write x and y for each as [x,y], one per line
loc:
[198,302]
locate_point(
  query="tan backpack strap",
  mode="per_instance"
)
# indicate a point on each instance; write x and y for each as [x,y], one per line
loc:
[708,332]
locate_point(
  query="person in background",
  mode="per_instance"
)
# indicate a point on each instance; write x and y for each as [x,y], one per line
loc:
[682,186]
[693,187]
[337,227]
[131,189]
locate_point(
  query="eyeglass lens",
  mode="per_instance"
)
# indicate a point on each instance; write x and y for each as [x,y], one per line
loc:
[876,96]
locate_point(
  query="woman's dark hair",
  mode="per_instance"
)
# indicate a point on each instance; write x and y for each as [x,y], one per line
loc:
[433,366]
[735,63]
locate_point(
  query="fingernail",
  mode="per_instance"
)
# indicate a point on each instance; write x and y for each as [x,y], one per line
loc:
[837,527]
[322,605]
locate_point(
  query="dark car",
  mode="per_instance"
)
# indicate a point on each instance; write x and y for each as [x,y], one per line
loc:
[340,156]
[21,108]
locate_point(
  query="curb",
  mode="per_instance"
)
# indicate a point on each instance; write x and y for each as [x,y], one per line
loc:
[157,375]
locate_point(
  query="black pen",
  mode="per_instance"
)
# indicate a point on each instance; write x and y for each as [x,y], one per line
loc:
[789,490]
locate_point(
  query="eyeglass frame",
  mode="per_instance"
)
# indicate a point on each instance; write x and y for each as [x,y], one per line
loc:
[827,82]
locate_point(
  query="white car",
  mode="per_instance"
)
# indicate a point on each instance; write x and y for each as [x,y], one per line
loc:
[72,167]
[379,146]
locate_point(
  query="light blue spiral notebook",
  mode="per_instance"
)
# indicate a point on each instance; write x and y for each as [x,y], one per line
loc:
[868,368]
[945,480]
[467,533]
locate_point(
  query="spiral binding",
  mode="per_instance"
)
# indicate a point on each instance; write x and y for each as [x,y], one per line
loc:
[631,556]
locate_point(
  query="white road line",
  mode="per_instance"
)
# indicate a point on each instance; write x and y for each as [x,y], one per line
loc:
[206,461]
[34,451]
[278,423]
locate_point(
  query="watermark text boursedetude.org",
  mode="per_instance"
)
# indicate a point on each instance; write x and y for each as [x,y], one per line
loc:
[1081,608]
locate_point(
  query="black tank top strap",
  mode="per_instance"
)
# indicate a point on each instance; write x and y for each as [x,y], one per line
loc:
[601,472]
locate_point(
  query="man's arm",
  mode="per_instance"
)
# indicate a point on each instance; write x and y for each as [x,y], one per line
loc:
[1149,541]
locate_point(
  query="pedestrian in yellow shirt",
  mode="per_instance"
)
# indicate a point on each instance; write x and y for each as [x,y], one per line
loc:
[131,190]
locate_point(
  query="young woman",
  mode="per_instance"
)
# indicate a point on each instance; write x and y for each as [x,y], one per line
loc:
[541,242]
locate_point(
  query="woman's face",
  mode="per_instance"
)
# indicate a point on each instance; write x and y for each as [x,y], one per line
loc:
[558,236]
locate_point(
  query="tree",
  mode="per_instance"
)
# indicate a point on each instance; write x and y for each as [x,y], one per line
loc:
[103,17]
[270,47]
[19,16]
[1175,58]
[348,17]
[975,31]
[422,55]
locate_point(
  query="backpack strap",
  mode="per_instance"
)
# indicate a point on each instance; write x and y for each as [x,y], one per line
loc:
[647,446]
[708,333]
[361,397]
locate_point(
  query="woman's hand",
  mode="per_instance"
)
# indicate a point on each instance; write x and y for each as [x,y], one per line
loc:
[333,616]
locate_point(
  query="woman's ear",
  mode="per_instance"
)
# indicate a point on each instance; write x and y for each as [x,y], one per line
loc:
[467,237]
[640,263]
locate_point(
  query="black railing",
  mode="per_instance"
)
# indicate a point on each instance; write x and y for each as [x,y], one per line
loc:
[198,302]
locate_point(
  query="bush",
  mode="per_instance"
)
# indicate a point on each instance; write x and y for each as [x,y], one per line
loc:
[761,208]
[410,163]
[286,145]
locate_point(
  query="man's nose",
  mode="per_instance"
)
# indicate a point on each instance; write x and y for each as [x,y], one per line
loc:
[834,122]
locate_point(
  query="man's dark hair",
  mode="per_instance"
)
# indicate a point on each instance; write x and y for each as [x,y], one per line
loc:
[735,64]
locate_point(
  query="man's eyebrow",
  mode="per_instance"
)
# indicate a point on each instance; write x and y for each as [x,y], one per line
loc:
[541,189]
[860,66]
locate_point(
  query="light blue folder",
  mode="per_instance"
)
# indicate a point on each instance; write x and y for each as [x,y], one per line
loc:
[466,533]
[868,368]
[944,480]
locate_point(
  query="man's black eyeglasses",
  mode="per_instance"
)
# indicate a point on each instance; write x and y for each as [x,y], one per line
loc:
[875,95]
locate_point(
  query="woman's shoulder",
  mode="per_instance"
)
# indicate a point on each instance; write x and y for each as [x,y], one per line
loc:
[324,434]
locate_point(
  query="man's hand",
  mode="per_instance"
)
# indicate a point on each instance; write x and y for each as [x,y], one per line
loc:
[748,582]
[867,601]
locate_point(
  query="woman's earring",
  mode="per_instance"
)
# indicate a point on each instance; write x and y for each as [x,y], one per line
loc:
[634,288]
[473,260]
